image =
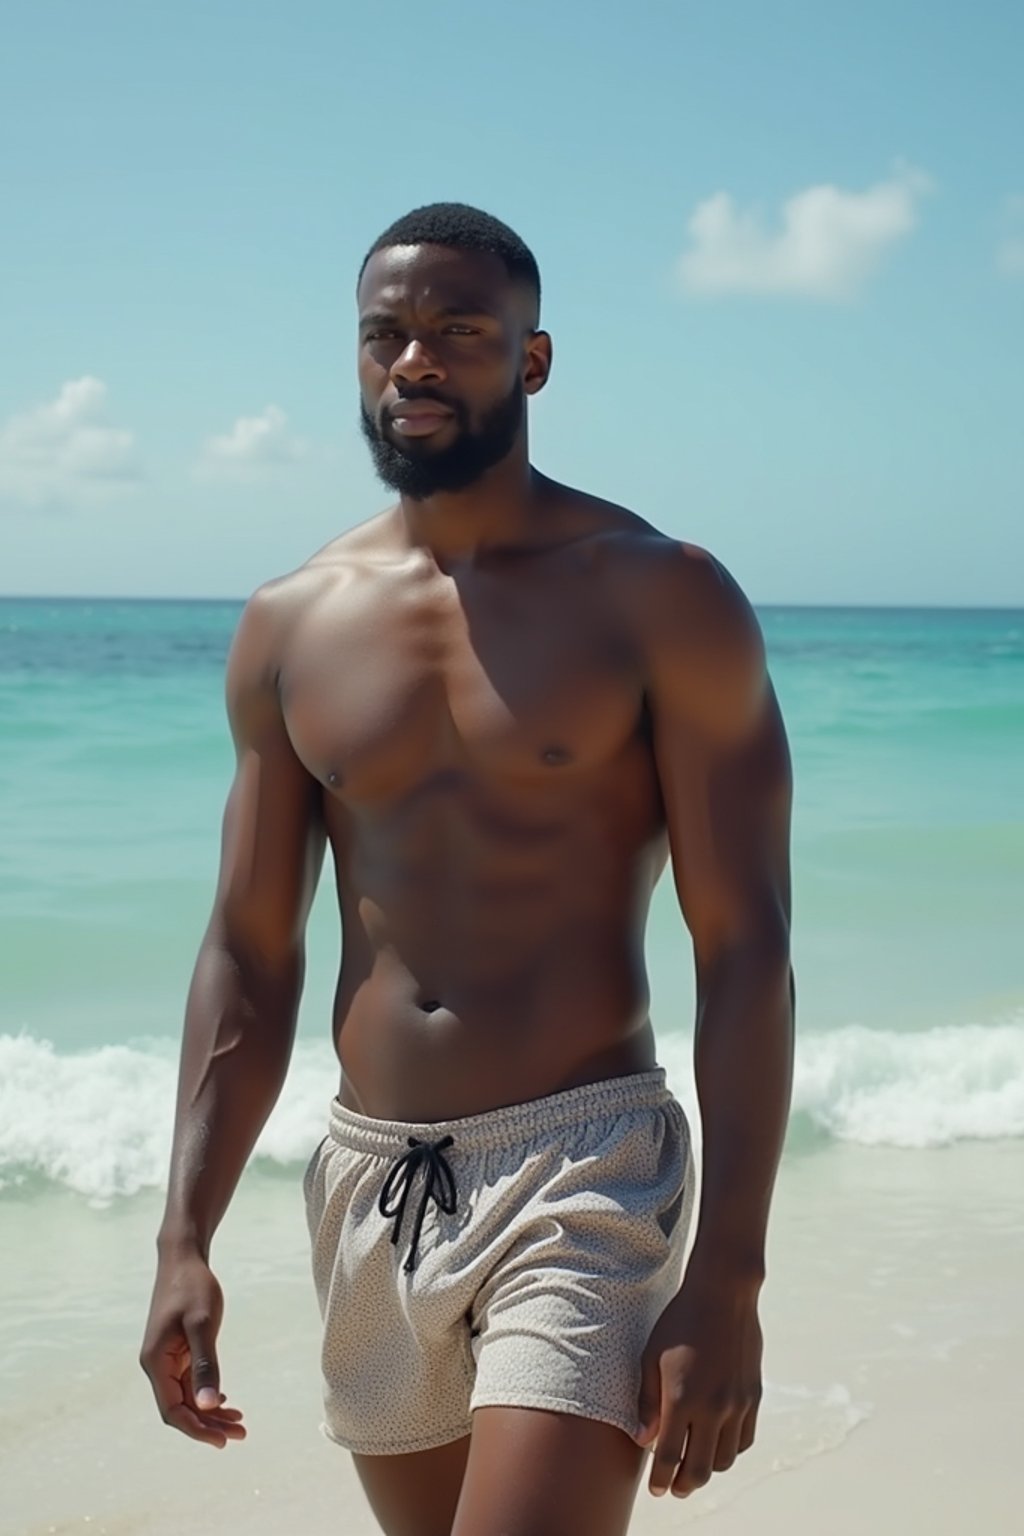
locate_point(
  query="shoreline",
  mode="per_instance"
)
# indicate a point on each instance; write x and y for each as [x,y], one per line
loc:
[893,1356]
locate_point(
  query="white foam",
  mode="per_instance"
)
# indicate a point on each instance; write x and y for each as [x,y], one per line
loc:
[99,1121]
[881,1087]
[809,1421]
[928,1089]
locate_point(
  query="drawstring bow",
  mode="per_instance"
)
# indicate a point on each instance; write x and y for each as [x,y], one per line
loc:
[438,1185]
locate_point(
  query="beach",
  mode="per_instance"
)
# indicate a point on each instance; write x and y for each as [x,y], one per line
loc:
[894,1353]
[894,1358]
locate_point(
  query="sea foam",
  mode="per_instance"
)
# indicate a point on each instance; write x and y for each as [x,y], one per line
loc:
[99,1121]
[926,1089]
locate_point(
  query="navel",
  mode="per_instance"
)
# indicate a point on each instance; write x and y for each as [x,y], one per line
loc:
[555,756]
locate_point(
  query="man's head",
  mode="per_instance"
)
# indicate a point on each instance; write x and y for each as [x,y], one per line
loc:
[449,305]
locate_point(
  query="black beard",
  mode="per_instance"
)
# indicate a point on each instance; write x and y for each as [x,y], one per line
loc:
[419,473]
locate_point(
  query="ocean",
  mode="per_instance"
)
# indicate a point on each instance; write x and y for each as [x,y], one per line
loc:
[907,733]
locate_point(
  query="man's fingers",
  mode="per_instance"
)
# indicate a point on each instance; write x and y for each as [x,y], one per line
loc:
[650,1401]
[667,1454]
[172,1375]
[219,1416]
[212,1428]
[728,1442]
[185,1419]
[697,1462]
[205,1372]
[164,1367]
[234,1429]
[748,1430]
[672,1432]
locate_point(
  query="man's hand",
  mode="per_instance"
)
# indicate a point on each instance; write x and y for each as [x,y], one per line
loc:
[179,1352]
[700,1383]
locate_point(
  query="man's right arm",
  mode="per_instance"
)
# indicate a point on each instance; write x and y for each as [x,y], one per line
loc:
[239,1023]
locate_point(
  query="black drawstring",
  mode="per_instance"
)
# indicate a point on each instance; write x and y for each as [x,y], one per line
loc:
[438,1185]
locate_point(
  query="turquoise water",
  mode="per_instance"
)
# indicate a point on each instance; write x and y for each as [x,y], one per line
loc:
[907,730]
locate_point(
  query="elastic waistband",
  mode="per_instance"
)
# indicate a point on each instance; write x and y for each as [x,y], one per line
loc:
[512,1125]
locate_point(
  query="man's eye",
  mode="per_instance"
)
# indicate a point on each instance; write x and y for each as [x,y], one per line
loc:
[380,335]
[461,330]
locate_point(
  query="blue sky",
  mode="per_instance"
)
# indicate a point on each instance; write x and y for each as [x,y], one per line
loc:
[782,248]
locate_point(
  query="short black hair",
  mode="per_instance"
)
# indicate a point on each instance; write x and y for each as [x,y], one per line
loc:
[462,228]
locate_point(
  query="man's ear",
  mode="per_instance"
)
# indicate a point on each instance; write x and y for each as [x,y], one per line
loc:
[538,361]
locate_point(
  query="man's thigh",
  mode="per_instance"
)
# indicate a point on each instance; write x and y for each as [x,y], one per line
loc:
[535,1473]
[415,1494]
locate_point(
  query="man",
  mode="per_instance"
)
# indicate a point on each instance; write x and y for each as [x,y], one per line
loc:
[502,703]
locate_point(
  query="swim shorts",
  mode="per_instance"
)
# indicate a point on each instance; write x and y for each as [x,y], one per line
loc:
[515,1258]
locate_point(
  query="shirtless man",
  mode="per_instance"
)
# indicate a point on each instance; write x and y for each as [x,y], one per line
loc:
[503,703]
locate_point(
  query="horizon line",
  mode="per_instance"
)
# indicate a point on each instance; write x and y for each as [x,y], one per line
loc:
[859,607]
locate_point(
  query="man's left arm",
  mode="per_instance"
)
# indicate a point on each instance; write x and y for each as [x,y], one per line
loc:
[724,770]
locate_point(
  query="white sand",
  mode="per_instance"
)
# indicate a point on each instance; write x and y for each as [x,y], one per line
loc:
[895,1358]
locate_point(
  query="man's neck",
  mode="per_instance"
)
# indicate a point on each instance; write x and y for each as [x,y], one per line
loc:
[497,511]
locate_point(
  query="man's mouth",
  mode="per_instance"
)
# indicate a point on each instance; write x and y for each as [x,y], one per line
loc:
[418,418]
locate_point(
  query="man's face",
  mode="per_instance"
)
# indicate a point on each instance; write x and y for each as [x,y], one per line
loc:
[447,354]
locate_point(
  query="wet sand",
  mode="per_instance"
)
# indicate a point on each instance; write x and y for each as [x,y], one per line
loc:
[893,1367]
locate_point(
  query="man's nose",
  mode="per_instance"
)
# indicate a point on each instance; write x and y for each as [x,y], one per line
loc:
[416,363]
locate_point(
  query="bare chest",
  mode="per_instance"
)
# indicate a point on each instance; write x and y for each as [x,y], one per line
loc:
[391,689]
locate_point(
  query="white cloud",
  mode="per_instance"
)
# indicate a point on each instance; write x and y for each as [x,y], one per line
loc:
[254,445]
[826,244]
[64,452]
[1010,249]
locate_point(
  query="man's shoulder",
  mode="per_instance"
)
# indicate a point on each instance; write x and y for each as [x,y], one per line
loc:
[691,625]
[278,602]
[274,611]
[365,542]
[670,588]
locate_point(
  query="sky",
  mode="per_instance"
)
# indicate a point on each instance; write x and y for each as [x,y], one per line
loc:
[782,249]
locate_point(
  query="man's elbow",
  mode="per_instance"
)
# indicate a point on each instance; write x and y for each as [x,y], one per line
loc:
[768,937]
[262,949]
[755,948]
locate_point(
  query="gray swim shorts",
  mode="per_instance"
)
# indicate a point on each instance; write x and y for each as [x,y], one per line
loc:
[516,1258]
